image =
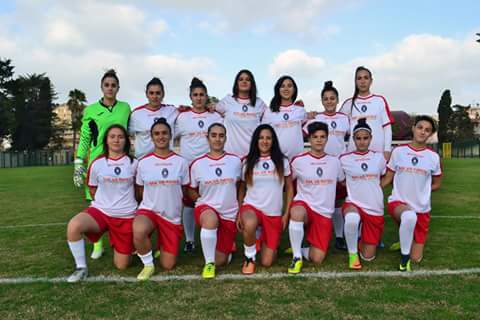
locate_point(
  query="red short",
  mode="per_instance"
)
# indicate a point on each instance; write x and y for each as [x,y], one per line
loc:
[372,226]
[318,229]
[120,230]
[169,234]
[271,226]
[226,232]
[341,191]
[423,222]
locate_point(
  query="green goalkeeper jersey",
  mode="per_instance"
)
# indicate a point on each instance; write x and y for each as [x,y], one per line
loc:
[97,118]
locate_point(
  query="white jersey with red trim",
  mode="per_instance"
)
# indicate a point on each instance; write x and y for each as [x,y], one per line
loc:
[162,179]
[240,119]
[114,180]
[363,172]
[412,183]
[217,180]
[287,123]
[316,179]
[192,128]
[141,121]
[266,191]
[338,127]
[376,110]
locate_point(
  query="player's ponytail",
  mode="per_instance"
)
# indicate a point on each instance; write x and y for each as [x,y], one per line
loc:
[362,125]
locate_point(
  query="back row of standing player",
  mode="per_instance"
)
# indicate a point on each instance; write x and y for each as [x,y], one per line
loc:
[242,113]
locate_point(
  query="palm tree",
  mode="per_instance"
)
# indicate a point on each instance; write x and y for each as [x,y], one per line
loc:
[76,104]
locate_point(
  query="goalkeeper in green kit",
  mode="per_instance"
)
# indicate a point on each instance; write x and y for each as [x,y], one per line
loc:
[97,118]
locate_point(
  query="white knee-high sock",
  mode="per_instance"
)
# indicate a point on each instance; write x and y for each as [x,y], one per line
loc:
[337,218]
[208,237]
[296,233]
[78,251]
[352,221]
[250,251]
[408,220]
[146,258]
[188,224]
[306,253]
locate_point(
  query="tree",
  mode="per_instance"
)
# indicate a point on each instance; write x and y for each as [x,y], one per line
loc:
[460,124]
[6,105]
[444,113]
[76,104]
[33,106]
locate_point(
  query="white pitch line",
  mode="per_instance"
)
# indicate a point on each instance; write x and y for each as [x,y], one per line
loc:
[257,276]
[53,224]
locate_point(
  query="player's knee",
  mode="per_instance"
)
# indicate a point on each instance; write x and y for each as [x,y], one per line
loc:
[121,264]
[168,265]
[74,229]
[267,262]
[297,215]
[140,231]
[316,259]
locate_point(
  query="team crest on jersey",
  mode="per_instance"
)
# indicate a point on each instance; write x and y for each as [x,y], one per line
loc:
[364,108]
[265,165]
[244,108]
[201,123]
[165,172]
[218,172]
[414,161]
[286,116]
[319,171]
[117,170]
[364,166]
[333,124]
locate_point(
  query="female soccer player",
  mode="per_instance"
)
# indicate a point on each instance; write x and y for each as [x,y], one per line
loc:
[111,182]
[416,171]
[96,119]
[213,186]
[286,116]
[338,129]
[191,127]
[374,108]
[317,174]
[265,173]
[143,117]
[363,169]
[162,177]
[242,112]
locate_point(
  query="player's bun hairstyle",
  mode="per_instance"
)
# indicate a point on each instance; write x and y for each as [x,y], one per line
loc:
[126,147]
[317,126]
[197,83]
[161,121]
[426,118]
[362,125]
[155,82]
[328,86]
[277,99]
[253,89]
[216,124]
[110,74]
[355,93]
[254,154]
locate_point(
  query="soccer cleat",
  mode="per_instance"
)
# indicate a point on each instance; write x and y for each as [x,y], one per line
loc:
[289,250]
[146,273]
[248,266]
[97,250]
[381,245]
[208,271]
[156,255]
[78,275]
[395,246]
[296,266]
[340,243]
[354,261]
[405,263]
[189,247]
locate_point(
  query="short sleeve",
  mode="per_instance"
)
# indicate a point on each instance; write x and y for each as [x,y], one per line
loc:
[387,118]
[138,177]
[340,173]
[221,105]
[193,174]
[437,171]
[286,167]
[392,163]
[184,174]
[383,164]
[92,177]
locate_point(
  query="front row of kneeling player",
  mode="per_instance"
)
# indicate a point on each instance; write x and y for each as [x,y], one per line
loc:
[221,186]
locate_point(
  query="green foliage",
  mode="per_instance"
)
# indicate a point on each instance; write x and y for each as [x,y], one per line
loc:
[460,124]
[6,114]
[76,104]
[444,113]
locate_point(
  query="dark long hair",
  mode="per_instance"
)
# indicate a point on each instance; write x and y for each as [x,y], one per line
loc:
[254,154]
[253,89]
[126,147]
[355,93]
[276,100]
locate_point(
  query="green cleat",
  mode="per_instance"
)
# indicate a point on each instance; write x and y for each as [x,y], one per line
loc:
[97,250]
[156,255]
[146,273]
[405,263]
[395,246]
[296,266]
[208,271]
[354,261]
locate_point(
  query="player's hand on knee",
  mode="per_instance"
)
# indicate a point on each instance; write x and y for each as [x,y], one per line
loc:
[79,172]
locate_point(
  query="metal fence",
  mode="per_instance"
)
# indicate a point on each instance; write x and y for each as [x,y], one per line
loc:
[35,158]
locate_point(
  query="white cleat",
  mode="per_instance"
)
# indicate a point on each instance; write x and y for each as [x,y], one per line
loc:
[78,275]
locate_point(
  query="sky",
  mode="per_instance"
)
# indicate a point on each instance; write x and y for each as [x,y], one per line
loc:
[415,49]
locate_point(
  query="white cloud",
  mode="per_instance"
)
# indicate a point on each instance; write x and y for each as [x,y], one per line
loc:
[296,63]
